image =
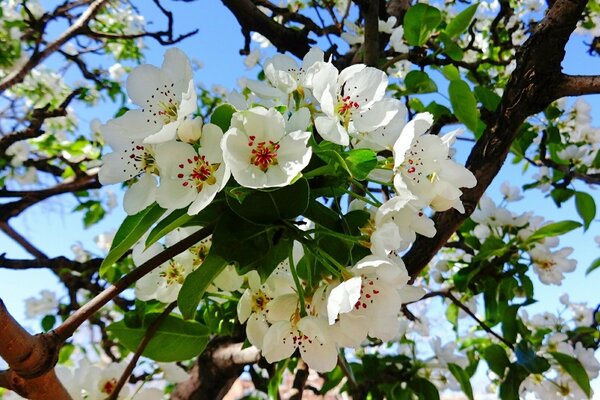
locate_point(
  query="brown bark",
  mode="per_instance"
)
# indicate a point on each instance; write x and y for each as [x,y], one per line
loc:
[216,369]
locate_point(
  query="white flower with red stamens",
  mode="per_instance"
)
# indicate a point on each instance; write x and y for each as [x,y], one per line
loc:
[310,335]
[260,152]
[423,167]
[131,158]
[190,177]
[166,96]
[350,100]
[370,301]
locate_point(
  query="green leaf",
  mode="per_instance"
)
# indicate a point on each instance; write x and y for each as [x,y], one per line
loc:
[419,82]
[595,264]
[267,207]
[575,369]
[222,116]
[171,222]
[419,23]
[495,355]
[464,104]
[561,195]
[509,323]
[251,246]
[48,322]
[174,340]
[554,229]
[463,379]
[596,161]
[424,389]
[488,98]
[527,358]
[450,72]
[451,48]
[461,22]
[197,282]
[586,208]
[509,389]
[130,231]
[360,162]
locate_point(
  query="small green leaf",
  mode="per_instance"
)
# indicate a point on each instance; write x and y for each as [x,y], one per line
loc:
[360,162]
[560,195]
[461,22]
[424,389]
[463,379]
[595,264]
[451,48]
[270,206]
[222,116]
[509,323]
[488,98]
[586,208]
[48,322]
[450,72]
[464,104]
[575,369]
[197,282]
[554,229]
[419,82]
[495,355]
[171,222]
[174,340]
[130,231]
[509,389]
[419,23]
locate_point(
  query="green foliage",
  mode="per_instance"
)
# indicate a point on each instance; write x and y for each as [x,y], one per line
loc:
[197,282]
[221,116]
[461,21]
[130,231]
[497,360]
[419,82]
[586,208]
[575,369]
[174,340]
[464,104]
[420,21]
[553,229]
[463,379]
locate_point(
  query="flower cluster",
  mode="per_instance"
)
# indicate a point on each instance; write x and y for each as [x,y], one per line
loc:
[301,120]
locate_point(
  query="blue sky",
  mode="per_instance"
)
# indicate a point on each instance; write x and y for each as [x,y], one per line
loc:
[53,228]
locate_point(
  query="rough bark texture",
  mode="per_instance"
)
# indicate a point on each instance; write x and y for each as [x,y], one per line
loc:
[216,369]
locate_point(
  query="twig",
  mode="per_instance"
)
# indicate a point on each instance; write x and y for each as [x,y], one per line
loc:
[140,349]
[299,380]
[68,327]
[482,324]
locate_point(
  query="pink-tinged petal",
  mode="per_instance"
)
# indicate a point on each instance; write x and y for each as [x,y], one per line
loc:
[140,195]
[331,130]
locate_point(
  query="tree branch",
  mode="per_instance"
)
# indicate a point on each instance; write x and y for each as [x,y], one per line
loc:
[37,57]
[68,327]
[577,85]
[251,19]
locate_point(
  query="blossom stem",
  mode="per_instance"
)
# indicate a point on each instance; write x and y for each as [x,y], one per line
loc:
[299,287]
[366,190]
